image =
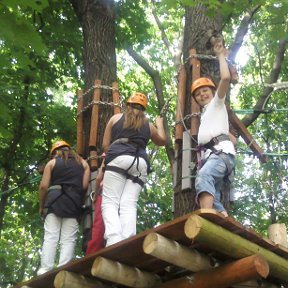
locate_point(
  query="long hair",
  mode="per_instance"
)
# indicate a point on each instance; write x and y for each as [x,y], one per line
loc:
[134,118]
[65,153]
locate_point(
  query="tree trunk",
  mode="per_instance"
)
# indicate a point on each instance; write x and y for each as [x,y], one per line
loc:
[97,19]
[197,33]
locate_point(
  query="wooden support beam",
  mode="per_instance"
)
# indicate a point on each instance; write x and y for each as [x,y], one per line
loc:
[175,253]
[80,147]
[180,105]
[195,108]
[116,98]
[65,279]
[245,134]
[214,236]
[255,284]
[123,274]
[94,127]
[277,232]
[224,276]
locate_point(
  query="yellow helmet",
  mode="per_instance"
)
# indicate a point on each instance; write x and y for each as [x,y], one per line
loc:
[58,144]
[201,82]
[138,98]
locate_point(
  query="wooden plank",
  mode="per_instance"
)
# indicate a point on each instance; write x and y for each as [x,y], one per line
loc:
[205,232]
[175,253]
[116,272]
[80,136]
[245,134]
[180,105]
[65,279]
[116,98]
[130,251]
[195,108]
[224,276]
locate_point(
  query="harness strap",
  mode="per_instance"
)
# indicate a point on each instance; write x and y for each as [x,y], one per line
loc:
[135,179]
[216,140]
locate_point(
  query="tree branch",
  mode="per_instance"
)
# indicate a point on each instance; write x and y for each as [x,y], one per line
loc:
[178,51]
[274,74]
[241,32]
[155,76]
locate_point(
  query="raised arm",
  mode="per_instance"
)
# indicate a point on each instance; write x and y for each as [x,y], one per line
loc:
[158,135]
[220,52]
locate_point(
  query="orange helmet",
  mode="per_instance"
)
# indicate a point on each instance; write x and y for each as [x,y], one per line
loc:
[58,144]
[138,98]
[201,82]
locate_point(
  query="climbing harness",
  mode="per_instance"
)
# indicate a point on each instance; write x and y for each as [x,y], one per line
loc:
[135,179]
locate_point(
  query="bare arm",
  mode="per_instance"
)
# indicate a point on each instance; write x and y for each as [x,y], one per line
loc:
[44,184]
[86,176]
[220,52]
[108,131]
[158,135]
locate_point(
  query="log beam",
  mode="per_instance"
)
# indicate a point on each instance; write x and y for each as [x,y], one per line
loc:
[224,276]
[65,279]
[172,252]
[123,274]
[80,105]
[277,232]
[225,242]
[180,105]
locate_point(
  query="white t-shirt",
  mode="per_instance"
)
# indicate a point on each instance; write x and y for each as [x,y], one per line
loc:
[214,122]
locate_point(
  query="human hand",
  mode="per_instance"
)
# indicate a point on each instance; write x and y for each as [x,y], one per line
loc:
[219,48]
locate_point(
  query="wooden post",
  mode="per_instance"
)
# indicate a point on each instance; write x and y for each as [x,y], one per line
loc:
[122,274]
[116,98]
[277,232]
[195,63]
[245,134]
[180,105]
[94,127]
[211,235]
[80,135]
[224,276]
[65,279]
[175,253]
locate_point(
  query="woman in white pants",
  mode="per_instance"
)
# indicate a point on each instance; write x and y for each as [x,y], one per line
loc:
[126,166]
[61,191]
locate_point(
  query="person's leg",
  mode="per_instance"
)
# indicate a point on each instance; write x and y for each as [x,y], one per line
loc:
[68,239]
[129,199]
[113,184]
[52,226]
[208,181]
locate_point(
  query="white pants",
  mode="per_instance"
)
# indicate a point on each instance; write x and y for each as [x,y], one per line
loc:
[57,228]
[119,200]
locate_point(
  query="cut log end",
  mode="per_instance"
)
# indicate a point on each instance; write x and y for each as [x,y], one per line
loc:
[192,226]
[261,266]
[150,243]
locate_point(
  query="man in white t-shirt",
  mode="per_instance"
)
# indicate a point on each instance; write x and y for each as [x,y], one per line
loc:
[217,150]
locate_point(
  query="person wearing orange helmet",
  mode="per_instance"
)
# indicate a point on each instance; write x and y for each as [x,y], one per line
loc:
[64,182]
[126,166]
[214,141]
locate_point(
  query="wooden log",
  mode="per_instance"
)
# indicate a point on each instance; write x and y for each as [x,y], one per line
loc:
[175,253]
[217,238]
[224,276]
[80,147]
[94,127]
[277,232]
[180,105]
[195,108]
[123,274]
[116,98]
[255,284]
[245,134]
[65,279]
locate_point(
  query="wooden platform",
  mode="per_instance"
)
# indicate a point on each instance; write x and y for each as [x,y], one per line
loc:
[130,251]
